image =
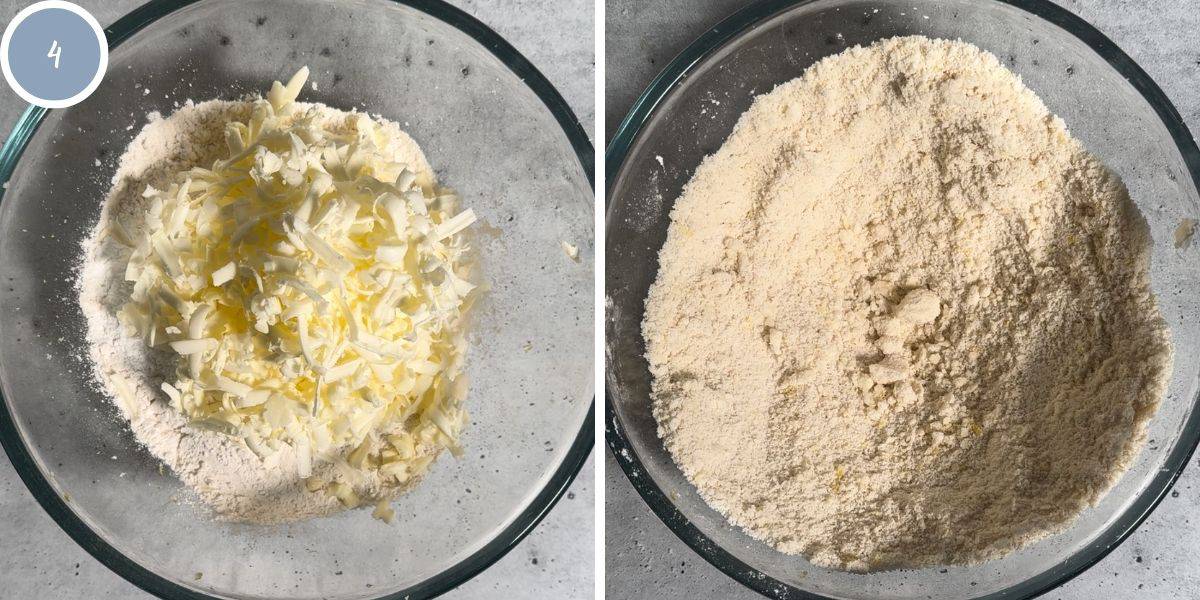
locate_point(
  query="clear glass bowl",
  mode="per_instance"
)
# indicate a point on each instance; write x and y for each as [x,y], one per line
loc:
[1106,100]
[492,127]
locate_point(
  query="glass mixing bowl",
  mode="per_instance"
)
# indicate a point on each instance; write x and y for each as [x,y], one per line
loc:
[492,127]
[1108,102]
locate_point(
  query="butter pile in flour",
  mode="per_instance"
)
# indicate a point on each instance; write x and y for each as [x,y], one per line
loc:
[902,317]
[276,295]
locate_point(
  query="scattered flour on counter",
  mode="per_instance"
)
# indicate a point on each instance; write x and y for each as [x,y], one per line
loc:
[902,317]
[1184,233]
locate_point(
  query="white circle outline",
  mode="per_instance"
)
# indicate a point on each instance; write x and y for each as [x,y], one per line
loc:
[100,37]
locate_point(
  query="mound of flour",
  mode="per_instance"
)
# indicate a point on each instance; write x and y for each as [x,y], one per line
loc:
[227,477]
[902,317]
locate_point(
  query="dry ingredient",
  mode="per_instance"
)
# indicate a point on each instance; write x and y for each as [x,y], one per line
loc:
[276,294]
[902,317]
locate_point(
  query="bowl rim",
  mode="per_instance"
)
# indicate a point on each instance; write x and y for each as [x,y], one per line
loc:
[679,69]
[466,568]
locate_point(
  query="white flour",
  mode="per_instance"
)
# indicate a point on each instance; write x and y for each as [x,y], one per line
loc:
[225,474]
[902,317]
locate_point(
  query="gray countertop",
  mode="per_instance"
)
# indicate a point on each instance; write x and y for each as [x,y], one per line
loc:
[1157,562]
[38,560]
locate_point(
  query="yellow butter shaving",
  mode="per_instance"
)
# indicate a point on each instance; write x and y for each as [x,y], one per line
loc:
[314,290]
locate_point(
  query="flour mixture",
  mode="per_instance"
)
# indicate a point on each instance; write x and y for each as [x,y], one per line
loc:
[902,317]
[276,295]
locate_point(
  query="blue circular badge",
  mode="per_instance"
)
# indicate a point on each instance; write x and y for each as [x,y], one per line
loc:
[54,54]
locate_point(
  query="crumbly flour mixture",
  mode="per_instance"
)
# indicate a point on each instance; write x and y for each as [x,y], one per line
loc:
[232,481]
[902,317]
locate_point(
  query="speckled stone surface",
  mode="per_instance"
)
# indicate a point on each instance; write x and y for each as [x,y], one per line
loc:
[38,560]
[1156,563]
